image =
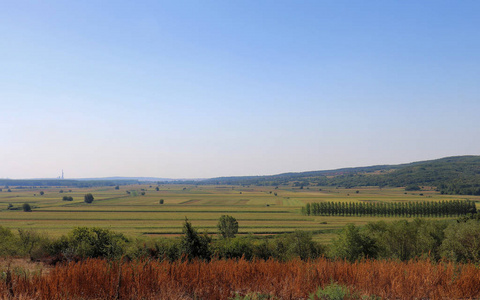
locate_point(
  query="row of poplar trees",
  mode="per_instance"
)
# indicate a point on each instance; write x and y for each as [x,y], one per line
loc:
[449,208]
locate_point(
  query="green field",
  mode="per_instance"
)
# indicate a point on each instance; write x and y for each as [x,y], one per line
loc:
[257,209]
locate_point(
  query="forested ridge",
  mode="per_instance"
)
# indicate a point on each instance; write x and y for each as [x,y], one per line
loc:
[450,175]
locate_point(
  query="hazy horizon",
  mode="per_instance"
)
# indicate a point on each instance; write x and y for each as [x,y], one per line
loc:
[207,89]
[231,175]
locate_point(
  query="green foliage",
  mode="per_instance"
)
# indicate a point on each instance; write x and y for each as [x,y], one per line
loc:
[32,243]
[452,208]
[90,242]
[412,187]
[8,245]
[67,198]
[161,249]
[333,291]
[227,226]
[462,242]
[26,207]
[88,198]
[301,245]
[406,240]
[161,201]
[352,244]
[192,244]
[234,248]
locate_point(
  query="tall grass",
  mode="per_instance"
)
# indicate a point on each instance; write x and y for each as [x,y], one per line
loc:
[223,279]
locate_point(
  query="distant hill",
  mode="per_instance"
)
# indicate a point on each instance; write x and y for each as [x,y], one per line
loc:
[450,175]
[81,182]
[63,182]
[138,179]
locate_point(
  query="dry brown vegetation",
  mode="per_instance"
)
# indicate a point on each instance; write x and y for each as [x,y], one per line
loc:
[223,279]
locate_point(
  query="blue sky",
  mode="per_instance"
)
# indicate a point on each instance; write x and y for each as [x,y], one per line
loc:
[188,89]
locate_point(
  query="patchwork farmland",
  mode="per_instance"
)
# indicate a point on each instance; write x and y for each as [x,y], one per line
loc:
[135,210]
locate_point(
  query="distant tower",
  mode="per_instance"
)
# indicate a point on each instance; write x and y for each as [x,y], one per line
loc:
[62,173]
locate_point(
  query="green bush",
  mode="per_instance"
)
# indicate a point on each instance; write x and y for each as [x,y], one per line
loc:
[33,244]
[26,207]
[462,242]
[298,244]
[158,249]
[332,291]
[234,248]
[88,198]
[8,242]
[90,242]
[352,244]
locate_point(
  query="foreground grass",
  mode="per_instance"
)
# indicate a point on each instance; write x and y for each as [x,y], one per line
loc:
[224,279]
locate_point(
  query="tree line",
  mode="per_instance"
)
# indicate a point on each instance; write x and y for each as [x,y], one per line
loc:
[403,240]
[448,208]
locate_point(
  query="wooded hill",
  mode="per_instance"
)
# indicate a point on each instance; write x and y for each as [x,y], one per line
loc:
[450,175]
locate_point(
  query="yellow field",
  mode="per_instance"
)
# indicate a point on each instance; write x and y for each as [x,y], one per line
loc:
[257,209]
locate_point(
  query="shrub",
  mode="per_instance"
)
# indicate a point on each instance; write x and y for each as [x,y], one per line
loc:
[32,243]
[352,244]
[162,249]
[462,242]
[332,291]
[234,248]
[412,187]
[26,207]
[298,244]
[88,198]
[8,245]
[90,242]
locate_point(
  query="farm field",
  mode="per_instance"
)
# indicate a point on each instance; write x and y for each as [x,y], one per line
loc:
[257,209]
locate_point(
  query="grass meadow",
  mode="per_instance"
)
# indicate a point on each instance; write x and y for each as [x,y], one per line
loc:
[257,209]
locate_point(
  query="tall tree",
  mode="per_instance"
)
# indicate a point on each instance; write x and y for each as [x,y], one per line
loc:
[227,226]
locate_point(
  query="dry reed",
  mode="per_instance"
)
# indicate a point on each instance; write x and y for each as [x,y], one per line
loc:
[222,279]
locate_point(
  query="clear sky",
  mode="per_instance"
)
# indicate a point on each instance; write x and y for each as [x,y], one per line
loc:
[190,89]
